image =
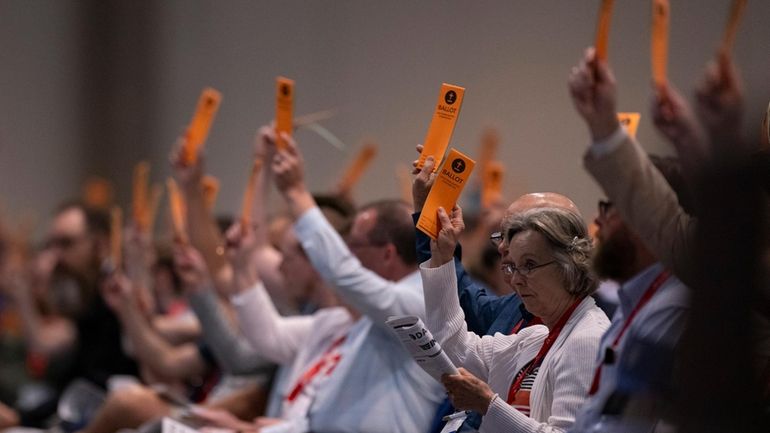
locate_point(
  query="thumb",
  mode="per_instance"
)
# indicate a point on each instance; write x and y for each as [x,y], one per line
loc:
[427,169]
[443,218]
[291,145]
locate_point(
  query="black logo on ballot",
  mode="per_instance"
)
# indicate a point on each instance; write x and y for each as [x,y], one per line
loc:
[450,97]
[458,165]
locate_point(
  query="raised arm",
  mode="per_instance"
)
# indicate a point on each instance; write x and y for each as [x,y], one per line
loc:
[369,293]
[267,259]
[720,102]
[480,307]
[444,317]
[638,190]
[202,229]
[276,338]
[230,348]
[676,121]
[172,362]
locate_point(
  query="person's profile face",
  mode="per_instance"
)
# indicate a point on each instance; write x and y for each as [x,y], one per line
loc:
[296,269]
[542,289]
[74,246]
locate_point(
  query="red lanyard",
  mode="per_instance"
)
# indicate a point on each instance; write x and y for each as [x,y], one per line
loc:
[520,324]
[328,358]
[648,294]
[549,340]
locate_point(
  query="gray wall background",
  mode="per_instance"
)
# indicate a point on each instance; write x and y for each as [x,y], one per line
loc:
[93,86]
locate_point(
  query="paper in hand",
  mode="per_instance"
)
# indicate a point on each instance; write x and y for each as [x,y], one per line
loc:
[421,345]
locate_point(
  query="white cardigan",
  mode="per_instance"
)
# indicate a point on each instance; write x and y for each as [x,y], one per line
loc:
[562,383]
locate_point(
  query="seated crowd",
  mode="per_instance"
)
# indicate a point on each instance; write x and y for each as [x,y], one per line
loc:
[277,322]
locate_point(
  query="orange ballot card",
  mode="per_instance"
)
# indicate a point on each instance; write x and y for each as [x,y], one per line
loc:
[630,121]
[490,141]
[450,99]
[210,185]
[98,192]
[603,29]
[116,237]
[284,108]
[248,195]
[447,187]
[736,13]
[156,192]
[659,41]
[208,104]
[357,167]
[177,206]
[139,193]
[492,183]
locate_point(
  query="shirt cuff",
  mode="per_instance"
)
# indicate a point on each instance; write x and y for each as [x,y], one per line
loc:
[603,147]
[243,298]
[308,222]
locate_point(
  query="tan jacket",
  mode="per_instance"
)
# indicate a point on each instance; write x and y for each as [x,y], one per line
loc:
[647,204]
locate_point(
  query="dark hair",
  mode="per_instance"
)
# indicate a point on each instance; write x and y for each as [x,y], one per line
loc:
[338,211]
[394,225]
[97,220]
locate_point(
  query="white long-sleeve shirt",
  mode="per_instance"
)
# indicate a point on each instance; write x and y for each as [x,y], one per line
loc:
[562,383]
[376,387]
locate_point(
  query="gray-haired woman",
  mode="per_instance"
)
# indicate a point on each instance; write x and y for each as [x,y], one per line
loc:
[535,380]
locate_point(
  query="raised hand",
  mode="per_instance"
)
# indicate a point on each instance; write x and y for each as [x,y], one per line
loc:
[674,118]
[594,93]
[719,98]
[423,182]
[289,167]
[240,247]
[264,143]
[468,392]
[188,175]
[191,268]
[451,226]
[118,293]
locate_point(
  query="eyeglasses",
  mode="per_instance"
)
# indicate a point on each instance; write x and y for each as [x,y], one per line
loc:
[509,269]
[604,207]
[496,238]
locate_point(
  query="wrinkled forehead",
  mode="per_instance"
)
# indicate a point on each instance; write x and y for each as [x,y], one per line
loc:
[528,243]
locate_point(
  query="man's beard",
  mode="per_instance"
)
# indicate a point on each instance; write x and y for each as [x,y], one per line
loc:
[73,291]
[614,258]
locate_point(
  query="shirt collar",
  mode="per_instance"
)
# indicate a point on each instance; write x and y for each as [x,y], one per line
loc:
[412,278]
[632,290]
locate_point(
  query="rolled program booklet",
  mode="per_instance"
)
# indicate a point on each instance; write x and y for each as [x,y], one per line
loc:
[420,343]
